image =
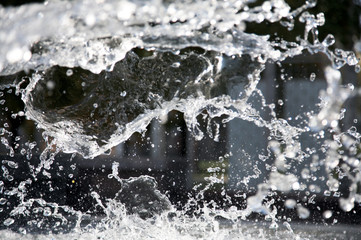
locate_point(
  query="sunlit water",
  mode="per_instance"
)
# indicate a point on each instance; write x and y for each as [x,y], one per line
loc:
[99,71]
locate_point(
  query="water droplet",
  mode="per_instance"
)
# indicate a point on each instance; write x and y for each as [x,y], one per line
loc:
[14,55]
[47,212]
[90,19]
[327,214]
[8,221]
[303,212]
[11,164]
[123,94]
[176,65]
[332,183]
[351,59]
[290,203]
[3,201]
[50,85]
[296,186]
[69,72]
[95,105]
[357,68]
[312,77]
[346,204]
[334,123]
[311,3]
[305,173]
[329,40]
[22,231]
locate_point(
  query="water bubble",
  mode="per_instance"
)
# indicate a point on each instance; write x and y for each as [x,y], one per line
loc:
[95,105]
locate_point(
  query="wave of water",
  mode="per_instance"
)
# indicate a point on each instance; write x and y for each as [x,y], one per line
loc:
[97,72]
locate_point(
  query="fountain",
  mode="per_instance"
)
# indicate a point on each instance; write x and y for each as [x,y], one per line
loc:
[172,119]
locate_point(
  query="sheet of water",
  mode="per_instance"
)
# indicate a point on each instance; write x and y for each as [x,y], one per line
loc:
[99,71]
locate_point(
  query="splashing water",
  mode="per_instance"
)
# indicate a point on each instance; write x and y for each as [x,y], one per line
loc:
[91,74]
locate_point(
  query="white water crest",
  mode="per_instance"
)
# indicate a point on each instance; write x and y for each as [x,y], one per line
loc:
[91,74]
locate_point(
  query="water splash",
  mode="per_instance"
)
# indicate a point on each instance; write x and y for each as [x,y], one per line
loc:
[93,74]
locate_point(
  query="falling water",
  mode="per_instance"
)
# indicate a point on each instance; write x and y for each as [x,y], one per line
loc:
[91,74]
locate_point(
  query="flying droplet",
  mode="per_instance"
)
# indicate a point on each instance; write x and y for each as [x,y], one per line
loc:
[329,40]
[346,204]
[3,201]
[69,72]
[303,212]
[8,221]
[357,68]
[50,85]
[290,203]
[327,214]
[312,77]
